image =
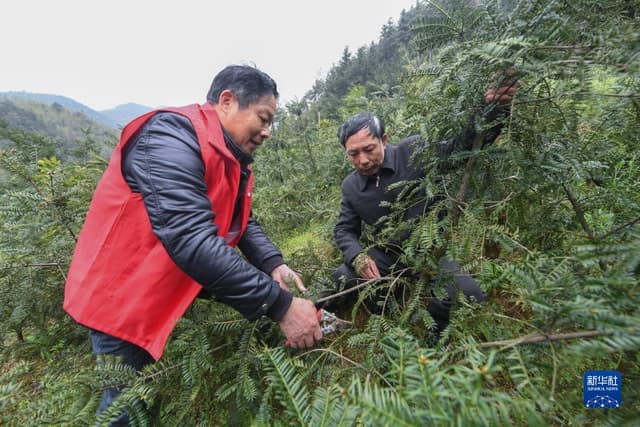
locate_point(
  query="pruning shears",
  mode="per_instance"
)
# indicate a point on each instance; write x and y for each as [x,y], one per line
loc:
[329,323]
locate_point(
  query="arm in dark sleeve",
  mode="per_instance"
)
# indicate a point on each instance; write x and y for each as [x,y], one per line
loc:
[347,230]
[258,248]
[166,167]
[464,142]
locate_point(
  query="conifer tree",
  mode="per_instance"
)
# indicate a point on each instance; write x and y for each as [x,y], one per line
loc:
[547,218]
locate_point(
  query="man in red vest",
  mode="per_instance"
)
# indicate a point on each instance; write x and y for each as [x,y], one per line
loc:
[164,220]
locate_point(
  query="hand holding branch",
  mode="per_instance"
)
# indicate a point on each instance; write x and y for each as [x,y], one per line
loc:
[285,276]
[366,267]
[504,93]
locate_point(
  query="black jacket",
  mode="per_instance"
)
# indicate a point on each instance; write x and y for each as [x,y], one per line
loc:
[363,196]
[163,163]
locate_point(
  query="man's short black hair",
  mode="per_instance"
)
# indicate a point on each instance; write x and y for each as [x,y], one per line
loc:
[247,83]
[359,121]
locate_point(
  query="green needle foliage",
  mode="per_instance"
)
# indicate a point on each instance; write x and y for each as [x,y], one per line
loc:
[547,219]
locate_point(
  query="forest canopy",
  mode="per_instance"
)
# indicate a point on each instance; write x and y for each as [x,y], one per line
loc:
[547,219]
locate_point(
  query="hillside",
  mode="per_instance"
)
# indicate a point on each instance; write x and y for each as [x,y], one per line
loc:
[66,102]
[378,68]
[55,121]
[114,117]
[546,218]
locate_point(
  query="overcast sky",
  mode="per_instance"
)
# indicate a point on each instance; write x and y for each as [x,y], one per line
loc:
[159,52]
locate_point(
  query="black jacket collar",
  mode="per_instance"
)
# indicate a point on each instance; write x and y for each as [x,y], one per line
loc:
[242,157]
[389,163]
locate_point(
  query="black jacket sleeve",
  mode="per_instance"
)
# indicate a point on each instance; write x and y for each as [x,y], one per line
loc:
[464,142]
[258,248]
[348,229]
[164,164]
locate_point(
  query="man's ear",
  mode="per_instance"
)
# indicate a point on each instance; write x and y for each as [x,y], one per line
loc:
[383,139]
[226,100]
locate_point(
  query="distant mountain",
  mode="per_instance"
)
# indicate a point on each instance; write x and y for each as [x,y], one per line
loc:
[114,118]
[52,120]
[64,101]
[122,114]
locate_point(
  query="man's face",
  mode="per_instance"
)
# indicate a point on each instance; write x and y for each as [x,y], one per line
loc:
[248,126]
[366,152]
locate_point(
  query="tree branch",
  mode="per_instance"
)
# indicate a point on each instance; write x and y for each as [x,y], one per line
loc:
[346,359]
[464,182]
[37,264]
[631,96]
[578,210]
[615,230]
[531,339]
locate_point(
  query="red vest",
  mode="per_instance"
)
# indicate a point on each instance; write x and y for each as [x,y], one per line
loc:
[121,280]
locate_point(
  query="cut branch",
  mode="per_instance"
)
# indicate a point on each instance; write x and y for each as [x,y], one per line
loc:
[355,288]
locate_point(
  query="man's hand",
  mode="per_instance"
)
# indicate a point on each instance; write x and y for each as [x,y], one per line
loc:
[300,324]
[366,267]
[504,94]
[285,276]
